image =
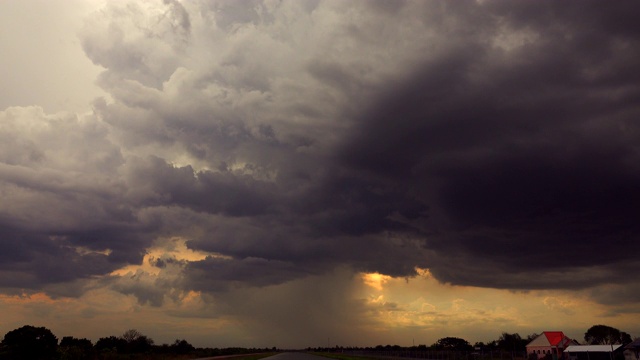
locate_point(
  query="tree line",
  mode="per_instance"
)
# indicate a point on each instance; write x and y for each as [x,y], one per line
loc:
[39,343]
[595,335]
[507,342]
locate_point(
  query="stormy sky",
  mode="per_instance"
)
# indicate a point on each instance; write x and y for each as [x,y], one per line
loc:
[284,173]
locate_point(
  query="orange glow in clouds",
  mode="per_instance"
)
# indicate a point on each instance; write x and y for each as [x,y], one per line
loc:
[375,280]
[174,248]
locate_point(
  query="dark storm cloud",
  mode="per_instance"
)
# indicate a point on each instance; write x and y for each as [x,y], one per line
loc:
[62,216]
[527,158]
[493,143]
[146,288]
[212,192]
[32,260]
[216,274]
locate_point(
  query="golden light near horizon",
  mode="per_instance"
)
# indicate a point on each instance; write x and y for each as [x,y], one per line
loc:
[27,298]
[435,309]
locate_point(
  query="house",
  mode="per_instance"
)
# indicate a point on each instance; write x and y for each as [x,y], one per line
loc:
[549,343]
[593,352]
[632,350]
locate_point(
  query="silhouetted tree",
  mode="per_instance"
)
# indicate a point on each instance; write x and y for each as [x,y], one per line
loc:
[136,342]
[181,347]
[131,335]
[29,342]
[75,349]
[452,343]
[111,343]
[605,335]
[512,342]
[69,341]
[492,345]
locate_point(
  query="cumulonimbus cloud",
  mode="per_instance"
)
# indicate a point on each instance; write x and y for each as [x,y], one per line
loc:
[481,140]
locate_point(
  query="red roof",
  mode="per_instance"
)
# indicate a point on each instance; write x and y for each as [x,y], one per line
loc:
[555,338]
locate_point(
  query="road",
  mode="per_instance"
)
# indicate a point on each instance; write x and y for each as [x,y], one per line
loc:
[295,356]
[281,356]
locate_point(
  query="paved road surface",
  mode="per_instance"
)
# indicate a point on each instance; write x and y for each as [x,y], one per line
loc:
[281,356]
[295,356]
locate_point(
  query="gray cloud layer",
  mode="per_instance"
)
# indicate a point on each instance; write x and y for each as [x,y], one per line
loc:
[494,143]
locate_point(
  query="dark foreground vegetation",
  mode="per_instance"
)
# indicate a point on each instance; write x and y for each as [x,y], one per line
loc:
[506,347]
[39,343]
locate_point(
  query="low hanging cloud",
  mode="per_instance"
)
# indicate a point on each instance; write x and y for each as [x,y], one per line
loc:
[491,142]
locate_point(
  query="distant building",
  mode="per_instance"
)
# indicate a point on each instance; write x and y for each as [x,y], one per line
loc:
[593,352]
[632,351]
[549,343]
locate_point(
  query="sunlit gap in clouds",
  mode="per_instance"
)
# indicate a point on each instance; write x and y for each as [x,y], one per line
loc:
[165,250]
[377,280]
